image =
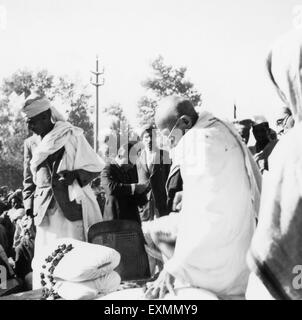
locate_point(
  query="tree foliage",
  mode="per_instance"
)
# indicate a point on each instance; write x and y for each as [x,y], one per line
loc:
[79,117]
[166,80]
[69,97]
[146,110]
[119,130]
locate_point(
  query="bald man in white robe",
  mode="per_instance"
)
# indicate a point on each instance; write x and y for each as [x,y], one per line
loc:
[219,204]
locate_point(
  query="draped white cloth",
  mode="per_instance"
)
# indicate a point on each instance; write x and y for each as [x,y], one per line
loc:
[78,155]
[219,205]
[276,247]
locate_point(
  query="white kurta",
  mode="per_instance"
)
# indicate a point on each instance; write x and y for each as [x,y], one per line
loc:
[217,219]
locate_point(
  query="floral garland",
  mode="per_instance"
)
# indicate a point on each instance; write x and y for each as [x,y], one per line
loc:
[47,280]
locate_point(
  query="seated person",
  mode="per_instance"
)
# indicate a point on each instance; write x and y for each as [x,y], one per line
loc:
[17,241]
[213,234]
[4,238]
[24,243]
[13,284]
[17,210]
[9,230]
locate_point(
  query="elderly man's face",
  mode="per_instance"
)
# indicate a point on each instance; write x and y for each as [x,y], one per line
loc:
[172,136]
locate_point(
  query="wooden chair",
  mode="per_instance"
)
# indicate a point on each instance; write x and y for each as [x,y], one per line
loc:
[126,237]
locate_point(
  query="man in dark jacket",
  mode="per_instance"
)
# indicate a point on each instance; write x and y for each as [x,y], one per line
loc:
[174,188]
[120,182]
[153,167]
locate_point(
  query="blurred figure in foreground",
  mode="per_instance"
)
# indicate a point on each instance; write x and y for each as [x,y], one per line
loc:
[275,255]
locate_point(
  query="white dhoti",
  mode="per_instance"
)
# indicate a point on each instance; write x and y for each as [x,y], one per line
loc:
[54,226]
[157,232]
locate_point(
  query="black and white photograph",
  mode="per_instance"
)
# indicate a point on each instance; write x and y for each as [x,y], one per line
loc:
[149,152]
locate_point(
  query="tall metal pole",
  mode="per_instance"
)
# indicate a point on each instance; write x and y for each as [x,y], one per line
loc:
[97,84]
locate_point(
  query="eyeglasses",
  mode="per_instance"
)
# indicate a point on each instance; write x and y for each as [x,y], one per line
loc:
[173,128]
[170,138]
[282,121]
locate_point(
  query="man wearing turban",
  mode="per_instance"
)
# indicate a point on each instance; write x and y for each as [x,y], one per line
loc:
[59,164]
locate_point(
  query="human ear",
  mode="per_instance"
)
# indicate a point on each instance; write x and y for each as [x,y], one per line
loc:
[185,122]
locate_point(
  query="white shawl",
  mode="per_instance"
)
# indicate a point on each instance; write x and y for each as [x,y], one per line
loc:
[78,155]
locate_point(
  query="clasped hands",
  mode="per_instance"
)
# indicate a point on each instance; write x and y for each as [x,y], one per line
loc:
[141,188]
[67,177]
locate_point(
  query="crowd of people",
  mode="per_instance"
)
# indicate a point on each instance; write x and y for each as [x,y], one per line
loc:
[17,236]
[216,213]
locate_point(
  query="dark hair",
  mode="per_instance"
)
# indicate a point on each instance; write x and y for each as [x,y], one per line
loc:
[246,123]
[262,124]
[148,129]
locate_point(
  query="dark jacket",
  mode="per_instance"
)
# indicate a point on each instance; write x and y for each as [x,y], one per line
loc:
[157,177]
[174,184]
[4,242]
[120,202]
[41,196]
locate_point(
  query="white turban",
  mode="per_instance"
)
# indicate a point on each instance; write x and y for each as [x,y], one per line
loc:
[38,106]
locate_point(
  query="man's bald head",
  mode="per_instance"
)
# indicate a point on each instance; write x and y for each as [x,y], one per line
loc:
[172,108]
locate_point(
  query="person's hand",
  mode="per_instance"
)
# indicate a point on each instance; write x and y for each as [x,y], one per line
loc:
[176,206]
[141,188]
[11,262]
[259,156]
[162,285]
[27,223]
[67,177]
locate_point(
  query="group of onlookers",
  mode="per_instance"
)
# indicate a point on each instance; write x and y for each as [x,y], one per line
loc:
[135,181]
[17,235]
[209,218]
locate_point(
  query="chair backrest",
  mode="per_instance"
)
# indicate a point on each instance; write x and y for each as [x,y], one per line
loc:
[126,237]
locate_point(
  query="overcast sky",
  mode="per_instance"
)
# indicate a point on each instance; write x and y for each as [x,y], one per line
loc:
[222,42]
